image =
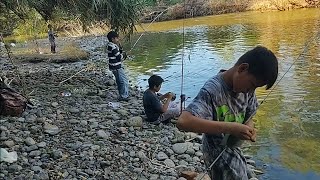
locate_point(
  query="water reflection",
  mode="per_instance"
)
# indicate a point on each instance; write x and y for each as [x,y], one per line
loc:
[288,121]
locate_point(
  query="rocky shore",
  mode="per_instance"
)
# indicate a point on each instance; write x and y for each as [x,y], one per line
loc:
[76,128]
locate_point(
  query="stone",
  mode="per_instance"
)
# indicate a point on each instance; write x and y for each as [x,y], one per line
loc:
[182,178]
[42,144]
[57,154]
[14,168]
[161,156]
[29,141]
[102,134]
[122,112]
[36,168]
[35,153]
[51,129]
[189,175]
[123,130]
[134,121]
[169,163]
[54,104]
[202,176]
[9,143]
[74,110]
[181,148]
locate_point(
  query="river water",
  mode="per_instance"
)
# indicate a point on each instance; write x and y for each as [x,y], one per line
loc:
[288,122]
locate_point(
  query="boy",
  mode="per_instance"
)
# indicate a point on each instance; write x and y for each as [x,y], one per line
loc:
[223,106]
[156,111]
[116,56]
[51,37]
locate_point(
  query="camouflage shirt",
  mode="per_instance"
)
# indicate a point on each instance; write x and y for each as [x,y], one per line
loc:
[217,102]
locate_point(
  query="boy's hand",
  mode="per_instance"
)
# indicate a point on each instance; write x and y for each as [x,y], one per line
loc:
[242,131]
[254,135]
[168,95]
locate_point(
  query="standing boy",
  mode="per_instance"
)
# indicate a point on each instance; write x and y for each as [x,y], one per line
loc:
[51,37]
[156,111]
[223,106]
[116,56]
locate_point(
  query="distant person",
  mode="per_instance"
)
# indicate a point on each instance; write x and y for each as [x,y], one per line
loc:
[1,41]
[225,105]
[155,110]
[116,55]
[51,36]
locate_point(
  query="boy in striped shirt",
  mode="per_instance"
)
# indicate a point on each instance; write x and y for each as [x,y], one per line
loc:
[116,56]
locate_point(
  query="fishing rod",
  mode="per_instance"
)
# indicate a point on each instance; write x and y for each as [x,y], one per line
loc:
[145,30]
[183,96]
[229,140]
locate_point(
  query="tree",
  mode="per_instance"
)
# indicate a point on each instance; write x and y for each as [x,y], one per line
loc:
[120,15]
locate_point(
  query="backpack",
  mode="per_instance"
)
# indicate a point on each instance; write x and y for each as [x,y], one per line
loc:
[12,103]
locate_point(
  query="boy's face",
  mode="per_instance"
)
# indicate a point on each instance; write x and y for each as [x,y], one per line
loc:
[157,88]
[115,40]
[243,81]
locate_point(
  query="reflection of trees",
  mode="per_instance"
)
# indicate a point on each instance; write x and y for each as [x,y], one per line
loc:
[155,50]
[221,39]
[293,126]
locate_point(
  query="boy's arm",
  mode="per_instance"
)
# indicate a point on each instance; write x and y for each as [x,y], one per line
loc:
[250,112]
[166,104]
[189,122]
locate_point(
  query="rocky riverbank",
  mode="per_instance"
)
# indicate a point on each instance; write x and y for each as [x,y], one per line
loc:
[76,129]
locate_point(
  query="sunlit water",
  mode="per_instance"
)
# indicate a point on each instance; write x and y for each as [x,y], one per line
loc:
[288,122]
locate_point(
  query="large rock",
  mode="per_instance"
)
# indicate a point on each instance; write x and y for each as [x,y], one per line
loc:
[181,148]
[134,121]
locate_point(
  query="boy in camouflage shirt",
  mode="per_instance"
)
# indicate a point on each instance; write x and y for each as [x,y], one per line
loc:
[224,105]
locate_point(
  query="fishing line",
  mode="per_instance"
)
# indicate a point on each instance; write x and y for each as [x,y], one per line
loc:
[145,30]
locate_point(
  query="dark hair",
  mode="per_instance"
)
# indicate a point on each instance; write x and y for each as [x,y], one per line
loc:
[155,80]
[263,64]
[112,34]
[49,26]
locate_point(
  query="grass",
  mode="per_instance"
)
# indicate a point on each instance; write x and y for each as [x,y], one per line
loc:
[67,53]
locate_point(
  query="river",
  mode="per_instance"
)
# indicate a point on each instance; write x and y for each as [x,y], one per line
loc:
[288,122]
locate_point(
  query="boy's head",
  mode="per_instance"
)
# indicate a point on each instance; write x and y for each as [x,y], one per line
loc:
[49,26]
[113,37]
[255,68]
[155,82]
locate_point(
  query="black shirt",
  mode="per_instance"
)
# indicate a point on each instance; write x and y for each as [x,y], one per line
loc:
[152,105]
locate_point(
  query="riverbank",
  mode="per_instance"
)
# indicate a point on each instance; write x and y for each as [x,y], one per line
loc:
[193,8]
[77,129]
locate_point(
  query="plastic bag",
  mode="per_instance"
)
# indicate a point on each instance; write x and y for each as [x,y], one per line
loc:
[6,156]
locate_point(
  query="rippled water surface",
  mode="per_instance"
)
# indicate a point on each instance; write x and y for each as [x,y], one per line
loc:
[288,122]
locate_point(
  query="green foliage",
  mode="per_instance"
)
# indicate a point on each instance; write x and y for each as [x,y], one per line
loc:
[8,21]
[120,15]
[33,26]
